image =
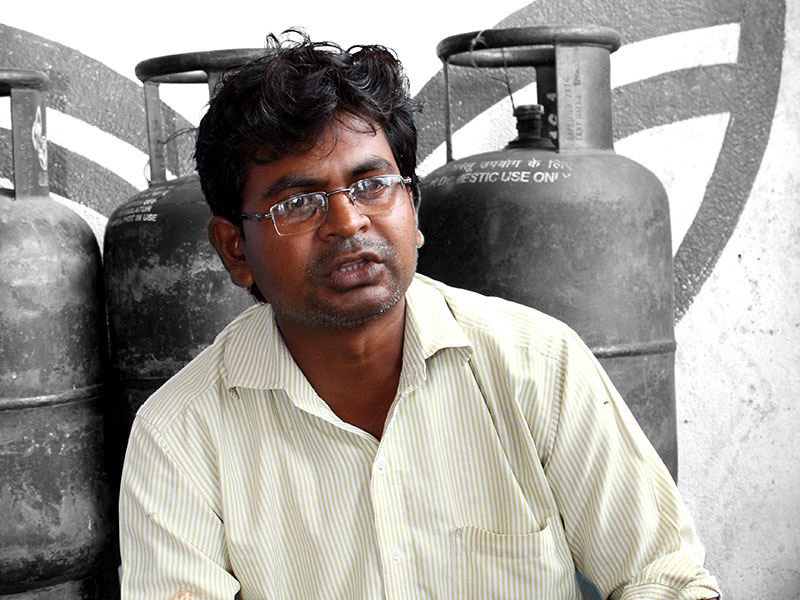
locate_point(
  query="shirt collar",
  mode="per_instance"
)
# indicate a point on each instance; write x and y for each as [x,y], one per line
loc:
[255,355]
[430,324]
[430,328]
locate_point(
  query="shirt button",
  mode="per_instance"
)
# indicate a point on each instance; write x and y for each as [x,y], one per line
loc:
[381,462]
[397,553]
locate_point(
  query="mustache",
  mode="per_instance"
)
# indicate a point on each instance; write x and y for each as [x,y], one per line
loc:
[351,245]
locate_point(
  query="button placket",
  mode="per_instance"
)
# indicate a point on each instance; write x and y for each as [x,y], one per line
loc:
[397,553]
[387,499]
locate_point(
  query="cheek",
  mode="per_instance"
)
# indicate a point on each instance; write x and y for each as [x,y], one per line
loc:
[412,229]
[259,258]
[278,264]
[400,233]
[407,220]
[406,239]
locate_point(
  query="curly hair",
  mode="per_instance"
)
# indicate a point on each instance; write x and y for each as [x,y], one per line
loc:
[280,104]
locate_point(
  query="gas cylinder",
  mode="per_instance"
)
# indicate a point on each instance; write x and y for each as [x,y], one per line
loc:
[558,221]
[57,521]
[168,294]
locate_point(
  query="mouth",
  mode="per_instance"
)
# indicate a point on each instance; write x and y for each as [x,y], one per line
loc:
[353,271]
[352,267]
[353,261]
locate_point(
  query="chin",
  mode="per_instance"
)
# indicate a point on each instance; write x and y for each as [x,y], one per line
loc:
[331,317]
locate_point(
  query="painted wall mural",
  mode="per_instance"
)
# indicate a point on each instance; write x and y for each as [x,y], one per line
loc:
[85,89]
[740,77]
[687,85]
[704,94]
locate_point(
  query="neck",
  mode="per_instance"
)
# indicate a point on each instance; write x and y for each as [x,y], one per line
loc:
[355,370]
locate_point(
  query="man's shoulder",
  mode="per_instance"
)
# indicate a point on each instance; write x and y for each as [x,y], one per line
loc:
[201,383]
[507,323]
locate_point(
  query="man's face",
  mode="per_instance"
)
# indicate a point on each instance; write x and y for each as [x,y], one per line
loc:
[354,267]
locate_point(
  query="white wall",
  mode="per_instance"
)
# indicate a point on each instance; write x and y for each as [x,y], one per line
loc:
[738,344]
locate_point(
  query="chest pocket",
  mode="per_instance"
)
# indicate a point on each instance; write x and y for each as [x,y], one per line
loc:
[492,566]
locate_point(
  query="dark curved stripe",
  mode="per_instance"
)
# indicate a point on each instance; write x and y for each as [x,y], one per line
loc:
[88,90]
[662,100]
[81,180]
[84,88]
[748,90]
[75,177]
[752,108]
[634,21]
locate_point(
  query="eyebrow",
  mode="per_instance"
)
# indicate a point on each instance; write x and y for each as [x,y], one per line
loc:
[288,182]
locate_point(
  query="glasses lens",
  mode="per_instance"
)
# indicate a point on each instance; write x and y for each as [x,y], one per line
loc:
[377,194]
[299,214]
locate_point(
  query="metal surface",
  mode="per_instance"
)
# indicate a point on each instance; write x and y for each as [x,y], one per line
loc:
[168,294]
[558,221]
[58,519]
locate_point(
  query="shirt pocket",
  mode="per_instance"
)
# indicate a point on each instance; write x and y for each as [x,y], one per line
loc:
[494,566]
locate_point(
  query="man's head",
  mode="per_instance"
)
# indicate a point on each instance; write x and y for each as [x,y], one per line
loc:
[304,119]
[281,104]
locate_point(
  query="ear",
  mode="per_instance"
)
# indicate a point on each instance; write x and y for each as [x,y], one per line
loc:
[229,243]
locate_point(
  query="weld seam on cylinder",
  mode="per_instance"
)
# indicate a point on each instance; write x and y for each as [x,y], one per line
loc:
[635,349]
[81,394]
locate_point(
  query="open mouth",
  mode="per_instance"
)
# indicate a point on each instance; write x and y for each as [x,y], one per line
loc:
[352,267]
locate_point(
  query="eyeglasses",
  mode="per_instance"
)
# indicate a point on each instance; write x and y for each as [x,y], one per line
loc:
[307,212]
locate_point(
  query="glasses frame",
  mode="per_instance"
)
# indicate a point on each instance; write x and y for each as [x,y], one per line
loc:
[349,191]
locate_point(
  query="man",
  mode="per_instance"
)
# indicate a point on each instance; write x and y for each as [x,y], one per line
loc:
[365,432]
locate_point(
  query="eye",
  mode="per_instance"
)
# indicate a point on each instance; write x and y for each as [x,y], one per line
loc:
[296,203]
[374,187]
[301,206]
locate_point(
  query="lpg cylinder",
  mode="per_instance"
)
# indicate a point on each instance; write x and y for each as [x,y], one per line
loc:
[168,294]
[557,221]
[57,521]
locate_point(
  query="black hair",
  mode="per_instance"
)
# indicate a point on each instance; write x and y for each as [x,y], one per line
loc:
[280,104]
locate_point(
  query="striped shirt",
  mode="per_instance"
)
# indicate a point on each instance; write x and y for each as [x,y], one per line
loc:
[507,462]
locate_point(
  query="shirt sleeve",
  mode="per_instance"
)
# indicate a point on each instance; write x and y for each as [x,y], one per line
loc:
[171,541]
[628,528]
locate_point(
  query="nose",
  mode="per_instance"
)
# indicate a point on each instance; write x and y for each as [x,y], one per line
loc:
[343,218]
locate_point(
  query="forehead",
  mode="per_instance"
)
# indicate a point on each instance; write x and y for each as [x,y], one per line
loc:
[346,151]
[346,144]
